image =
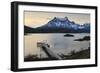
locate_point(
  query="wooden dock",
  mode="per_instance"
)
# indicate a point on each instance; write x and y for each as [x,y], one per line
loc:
[46,48]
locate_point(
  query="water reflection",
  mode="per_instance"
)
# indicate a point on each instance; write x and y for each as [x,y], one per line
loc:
[58,43]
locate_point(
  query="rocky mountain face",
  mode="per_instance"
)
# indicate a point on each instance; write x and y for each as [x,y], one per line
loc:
[63,25]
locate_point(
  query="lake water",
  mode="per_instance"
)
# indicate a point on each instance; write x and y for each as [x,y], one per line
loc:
[58,43]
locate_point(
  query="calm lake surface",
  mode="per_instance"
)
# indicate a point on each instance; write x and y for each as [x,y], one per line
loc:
[58,43]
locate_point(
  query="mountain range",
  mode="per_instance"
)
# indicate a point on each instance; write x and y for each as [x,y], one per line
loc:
[60,25]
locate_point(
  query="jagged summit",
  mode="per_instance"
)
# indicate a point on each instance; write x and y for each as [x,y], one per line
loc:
[58,22]
[61,19]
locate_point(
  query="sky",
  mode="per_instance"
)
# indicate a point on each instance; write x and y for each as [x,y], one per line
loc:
[36,18]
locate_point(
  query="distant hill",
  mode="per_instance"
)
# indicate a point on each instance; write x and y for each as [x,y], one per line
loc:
[28,29]
[60,25]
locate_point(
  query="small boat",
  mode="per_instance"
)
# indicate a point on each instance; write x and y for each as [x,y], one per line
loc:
[69,35]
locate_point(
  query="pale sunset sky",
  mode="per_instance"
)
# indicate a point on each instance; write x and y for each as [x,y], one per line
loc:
[36,18]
